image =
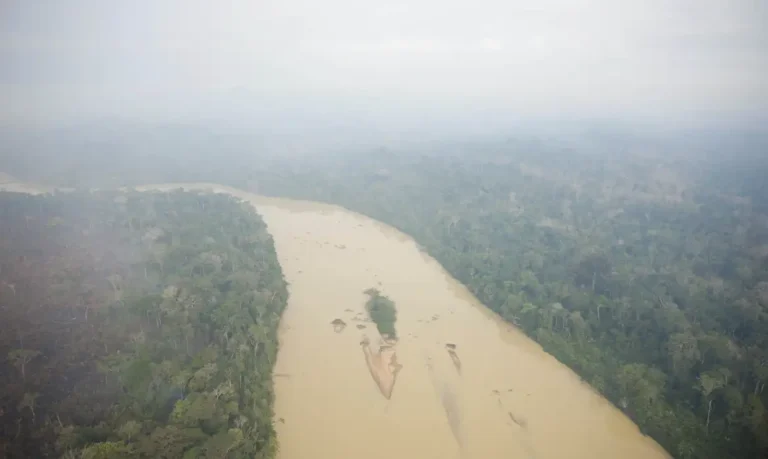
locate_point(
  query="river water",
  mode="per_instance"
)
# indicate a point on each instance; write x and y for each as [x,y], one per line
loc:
[461,382]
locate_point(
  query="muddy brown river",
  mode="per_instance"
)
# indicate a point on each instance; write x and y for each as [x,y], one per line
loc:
[461,383]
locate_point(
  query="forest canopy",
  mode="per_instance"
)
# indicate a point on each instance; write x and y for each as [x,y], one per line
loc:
[136,325]
[648,276]
[643,266]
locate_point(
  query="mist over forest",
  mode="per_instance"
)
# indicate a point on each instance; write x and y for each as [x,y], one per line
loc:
[594,174]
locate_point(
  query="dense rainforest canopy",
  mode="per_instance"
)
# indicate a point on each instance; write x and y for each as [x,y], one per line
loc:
[645,273]
[638,273]
[136,325]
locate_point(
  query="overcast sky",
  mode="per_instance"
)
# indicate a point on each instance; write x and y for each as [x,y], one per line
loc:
[157,58]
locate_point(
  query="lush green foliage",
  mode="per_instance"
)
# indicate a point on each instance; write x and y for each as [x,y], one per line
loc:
[183,323]
[647,274]
[639,274]
[382,312]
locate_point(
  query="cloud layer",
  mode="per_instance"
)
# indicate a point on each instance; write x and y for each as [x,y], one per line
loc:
[78,58]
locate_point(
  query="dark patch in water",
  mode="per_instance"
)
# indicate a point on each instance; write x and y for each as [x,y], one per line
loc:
[455,359]
[338,325]
[520,422]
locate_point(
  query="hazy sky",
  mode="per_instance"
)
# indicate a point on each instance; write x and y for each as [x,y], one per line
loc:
[155,58]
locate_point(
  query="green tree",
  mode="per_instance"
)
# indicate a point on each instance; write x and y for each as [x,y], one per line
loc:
[106,450]
[382,312]
[683,351]
[129,430]
[707,384]
[640,385]
[21,357]
[28,401]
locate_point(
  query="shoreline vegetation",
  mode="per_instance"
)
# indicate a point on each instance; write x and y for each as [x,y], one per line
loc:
[649,282]
[382,363]
[140,325]
[645,274]
[382,312]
